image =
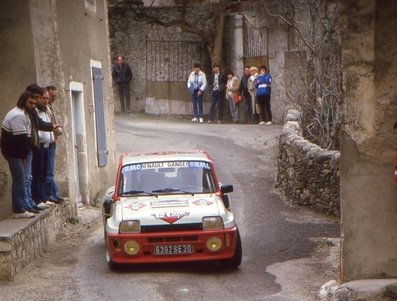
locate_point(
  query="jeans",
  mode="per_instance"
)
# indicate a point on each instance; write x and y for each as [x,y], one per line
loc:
[124,93]
[233,108]
[50,187]
[18,192]
[38,173]
[264,103]
[197,101]
[248,109]
[216,99]
[27,166]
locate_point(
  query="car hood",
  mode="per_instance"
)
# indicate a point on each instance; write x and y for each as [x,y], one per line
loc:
[170,209]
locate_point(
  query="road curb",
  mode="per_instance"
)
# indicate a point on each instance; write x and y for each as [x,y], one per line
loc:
[360,290]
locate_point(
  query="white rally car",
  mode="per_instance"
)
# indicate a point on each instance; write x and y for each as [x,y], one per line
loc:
[169,207]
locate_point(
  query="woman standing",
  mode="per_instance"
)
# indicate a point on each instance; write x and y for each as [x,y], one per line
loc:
[231,94]
[263,90]
[196,84]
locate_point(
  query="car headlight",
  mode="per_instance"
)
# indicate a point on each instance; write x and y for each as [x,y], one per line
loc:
[212,223]
[133,226]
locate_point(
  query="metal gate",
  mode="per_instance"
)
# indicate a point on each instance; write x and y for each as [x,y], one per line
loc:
[256,44]
[171,60]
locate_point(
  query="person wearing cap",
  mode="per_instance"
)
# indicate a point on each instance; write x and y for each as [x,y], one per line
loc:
[197,82]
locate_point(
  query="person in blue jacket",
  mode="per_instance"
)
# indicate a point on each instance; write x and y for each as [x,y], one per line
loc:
[263,90]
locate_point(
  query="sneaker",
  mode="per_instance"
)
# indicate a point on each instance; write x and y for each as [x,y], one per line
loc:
[32,210]
[25,214]
[194,119]
[43,206]
[57,201]
[209,121]
[37,208]
[269,123]
[49,203]
[219,121]
[201,120]
[262,122]
[60,200]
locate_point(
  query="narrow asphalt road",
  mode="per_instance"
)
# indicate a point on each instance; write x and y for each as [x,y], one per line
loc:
[288,252]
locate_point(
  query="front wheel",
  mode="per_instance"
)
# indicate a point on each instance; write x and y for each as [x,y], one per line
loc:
[235,261]
[112,265]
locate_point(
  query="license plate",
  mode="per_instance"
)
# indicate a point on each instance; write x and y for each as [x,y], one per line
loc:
[173,249]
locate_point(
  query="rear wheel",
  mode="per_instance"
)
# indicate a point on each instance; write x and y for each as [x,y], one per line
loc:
[235,261]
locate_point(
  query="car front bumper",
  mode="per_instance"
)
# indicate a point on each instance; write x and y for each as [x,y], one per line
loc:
[177,246]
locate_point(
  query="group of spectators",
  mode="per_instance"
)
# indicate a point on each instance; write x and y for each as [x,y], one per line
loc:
[252,93]
[28,142]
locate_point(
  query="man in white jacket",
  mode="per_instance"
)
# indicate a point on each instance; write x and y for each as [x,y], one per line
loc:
[40,156]
[196,84]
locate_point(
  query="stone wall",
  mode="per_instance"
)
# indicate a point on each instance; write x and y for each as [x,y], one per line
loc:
[307,175]
[22,240]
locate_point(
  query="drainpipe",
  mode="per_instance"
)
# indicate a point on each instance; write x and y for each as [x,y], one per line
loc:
[237,54]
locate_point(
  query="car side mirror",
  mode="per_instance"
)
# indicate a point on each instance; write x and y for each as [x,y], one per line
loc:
[226,189]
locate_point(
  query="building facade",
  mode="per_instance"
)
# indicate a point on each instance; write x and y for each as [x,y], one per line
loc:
[65,44]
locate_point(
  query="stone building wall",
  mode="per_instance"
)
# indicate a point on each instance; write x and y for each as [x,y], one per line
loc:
[56,42]
[306,174]
[155,56]
[128,37]
[368,142]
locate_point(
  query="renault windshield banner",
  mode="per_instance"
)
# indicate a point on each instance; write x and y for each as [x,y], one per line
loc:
[168,164]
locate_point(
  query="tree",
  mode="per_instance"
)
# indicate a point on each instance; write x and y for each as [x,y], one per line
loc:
[316,28]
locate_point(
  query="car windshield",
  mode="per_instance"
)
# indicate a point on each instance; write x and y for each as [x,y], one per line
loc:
[153,178]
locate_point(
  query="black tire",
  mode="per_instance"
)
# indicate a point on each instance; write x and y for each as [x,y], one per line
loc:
[235,261]
[112,265]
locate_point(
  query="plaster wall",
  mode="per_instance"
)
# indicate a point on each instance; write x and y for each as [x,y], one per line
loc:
[54,42]
[82,38]
[368,193]
[17,67]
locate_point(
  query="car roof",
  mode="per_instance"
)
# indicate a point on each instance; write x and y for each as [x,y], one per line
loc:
[177,155]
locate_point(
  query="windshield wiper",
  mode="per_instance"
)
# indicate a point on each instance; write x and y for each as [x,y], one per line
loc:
[137,192]
[165,190]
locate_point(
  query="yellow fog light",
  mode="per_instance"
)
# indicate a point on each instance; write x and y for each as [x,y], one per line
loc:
[214,244]
[131,247]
